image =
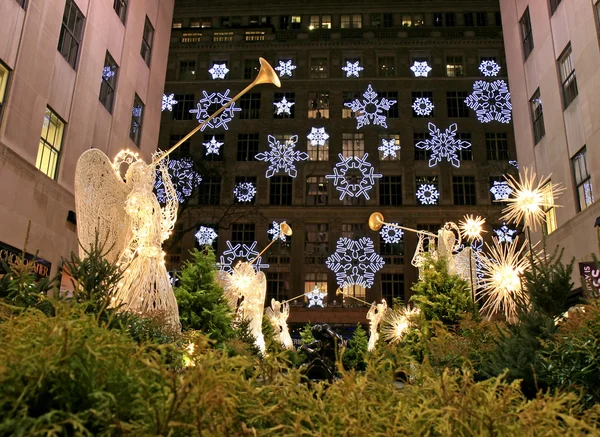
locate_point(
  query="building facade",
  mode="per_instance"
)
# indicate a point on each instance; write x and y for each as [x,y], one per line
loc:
[74,74]
[315,47]
[553,57]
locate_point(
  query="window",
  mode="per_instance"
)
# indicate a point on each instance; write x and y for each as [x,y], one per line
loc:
[316,190]
[251,68]
[177,25]
[454,66]
[465,154]
[353,230]
[316,280]
[209,191]
[526,33]
[182,150]
[549,211]
[137,117]
[406,20]
[376,20]
[318,153]
[242,233]
[567,76]
[421,154]
[277,286]
[280,190]
[185,103]
[4,75]
[290,22]
[553,5]
[316,245]
[456,104]
[583,181]
[496,146]
[463,188]
[349,97]
[109,82]
[195,23]
[318,104]
[255,36]
[187,70]
[222,36]
[468,19]
[220,138]
[392,287]
[289,97]
[390,191]
[50,144]
[358,291]
[351,21]
[189,37]
[320,22]
[386,66]
[428,180]
[71,32]
[318,68]
[498,18]
[449,19]
[205,22]
[353,145]
[597,15]
[147,38]
[389,156]
[391,95]
[22,3]
[241,180]
[120,7]
[481,19]
[392,253]
[247,147]
[437,19]
[250,104]
[418,20]
[258,20]
[423,95]
[537,116]
[225,21]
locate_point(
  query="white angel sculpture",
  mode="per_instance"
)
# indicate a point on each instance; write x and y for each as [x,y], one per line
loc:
[374,316]
[278,314]
[127,218]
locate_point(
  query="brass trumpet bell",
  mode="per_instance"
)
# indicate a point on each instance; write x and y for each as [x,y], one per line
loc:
[376,221]
[285,229]
[266,74]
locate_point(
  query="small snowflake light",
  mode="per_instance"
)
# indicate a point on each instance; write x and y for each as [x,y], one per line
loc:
[215,99]
[489,68]
[427,194]
[184,178]
[443,145]
[501,190]
[240,252]
[108,72]
[352,68]
[285,68]
[505,234]
[389,148]
[420,69]
[422,106]
[218,71]
[284,107]
[515,164]
[282,156]
[213,146]
[205,235]
[244,192]
[490,101]
[315,297]
[355,262]
[168,102]
[370,109]
[275,232]
[353,176]
[391,234]
[317,136]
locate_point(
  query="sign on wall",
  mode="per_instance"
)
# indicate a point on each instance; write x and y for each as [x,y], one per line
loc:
[10,254]
[591,274]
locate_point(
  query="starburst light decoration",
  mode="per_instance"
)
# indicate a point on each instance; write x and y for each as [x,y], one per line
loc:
[397,321]
[374,316]
[284,107]
[282,156]
[389,148]
[275,232]
[168,102]
[471,227]
[183,177]
[317,136]
[315,297]
[427,194]
[355,262]
[443,145]
[489,68]
[501,190]
[420,69]
[285,68]
[218,100]
[353,176]
[205,235]
[278,314]
[240,251]
[213,146]
[490,101]
[352,68]
[505,234]
[391,234]
[218,71]
[244,191]
[370,109]
[422,106]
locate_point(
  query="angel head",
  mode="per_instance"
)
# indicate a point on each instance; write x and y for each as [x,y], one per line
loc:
[140,175]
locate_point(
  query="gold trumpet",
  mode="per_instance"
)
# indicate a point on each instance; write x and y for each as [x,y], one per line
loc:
[284,229]
[340,291]
[265,75]
[376,221]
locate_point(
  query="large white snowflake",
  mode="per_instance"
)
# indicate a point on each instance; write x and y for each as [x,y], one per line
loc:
[428,194]
[282,156]
[284,107]
[505,234]
[317,136]
[168,101]
[240,252]
[355,262]
[218,100]
[285,68]
[501,190]
[420,69]
[489,68]
[244,191]
[443,145]
[370,110]
[422,106]
[183,176]
[353,176]
[205,235]
[389,148]
[352,68]
[391,234]
[490,101]
[213,146]
[315,297]
[275,232]
[218,71]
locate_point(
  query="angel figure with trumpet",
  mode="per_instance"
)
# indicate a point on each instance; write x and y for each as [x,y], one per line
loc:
[278,314]
[374,316]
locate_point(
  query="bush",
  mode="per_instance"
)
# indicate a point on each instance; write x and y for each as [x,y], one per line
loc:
[354,355]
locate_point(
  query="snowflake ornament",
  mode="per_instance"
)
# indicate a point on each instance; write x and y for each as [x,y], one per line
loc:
[282,156]
[108,72]
[505,234]
[244,192]
[443,145]
[213,146]
[284,107]
[370,110]
[489,68]
[317,136]
[168,102]
[240,252]
[515,164]
[285,68]
[275,231]
[352,68]
[420,69]
[315,297]
[389,148]
[353,176]
[218,100]
[218,71]
[391,234]
[205,235]
[501,190]
[422,106]
[355,262]
[490,101]
[427,194]
[184,179]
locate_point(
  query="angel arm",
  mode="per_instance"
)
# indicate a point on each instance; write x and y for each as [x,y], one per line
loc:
[169,211]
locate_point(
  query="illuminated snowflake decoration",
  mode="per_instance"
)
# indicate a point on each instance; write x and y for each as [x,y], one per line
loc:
[355,262]
[370,110]
[515,164]
[107,72]
[443,145]
[218,71]
[489,68]
[285,68]
[137,111]
[284,107]
[240,252]
[212,100]
[183,176]
[275,232]
[501,190]
[388,148]
[213,146]
[315,297]
[244,192]
[168,102]
[427,194]
[282,156]
[490,101]
[353,176]
[505,234]
[317,136]
[422,106]
[205,235]
[391,234]
[420,69]
[352,68]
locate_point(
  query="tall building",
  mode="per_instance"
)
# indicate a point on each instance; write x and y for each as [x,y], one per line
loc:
[316,47]
[74,74]
[553,57]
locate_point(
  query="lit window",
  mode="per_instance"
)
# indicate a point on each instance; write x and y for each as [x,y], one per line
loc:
[349,97]
[318,68]
[223,36]
[549,211]
[147,39]
[526,33]
[4,74]
[255,36]
[206,22]
[316,190]
[537,117]
[353,145]
[318,104]
[316,152]
[583,181]
[195,23]
[120,7]
[70,33]
[109,82]
[387,66]
[50,144]
[567,76]
[137,116]
[454,66]
[358,291]
[296,21]
[406,20]
[177,24]
[188,37]
[351,21]
[316,244]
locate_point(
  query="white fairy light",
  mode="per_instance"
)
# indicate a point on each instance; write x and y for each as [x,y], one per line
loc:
[489,68]
[370,109]
[501,190]
[241,251]
[215,99]
[317,136]
[355,262]
[168,101]
[490,101]
[218,71]
[397,321]
[285,68]
[352,68]
[282,156]
[315,297]
[420,69]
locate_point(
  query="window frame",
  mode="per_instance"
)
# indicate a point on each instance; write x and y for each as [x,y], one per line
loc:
[390,190]
[250,105]
[460,108]
[72,60]
[4,83]
[209,191]
[582,181]
[553,4]
[319,246]
[317,190]
[550,223]
[357,142]
[136,135]
[281,190]
[322,105]
[187,68]
[537,117]
[108,87]
[461,197]
[51,146]
[243,233]
[526,30]
[568,83]
[122,6]
[318,70]
[387,72]
[147,41]
[496,146]
[394,279]
[247,143]
[455,69]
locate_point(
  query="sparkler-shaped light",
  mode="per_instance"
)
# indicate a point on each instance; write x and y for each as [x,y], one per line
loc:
[472,227]
[397,321]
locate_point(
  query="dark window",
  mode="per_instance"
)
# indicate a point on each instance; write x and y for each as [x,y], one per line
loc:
[316,190]
[185,103]
[553,5]
[537,116]
[481,18]
[208,138]
[71,32]
[290,98]
[319,68]
[465,154]
[244,190]
[209,191]
[147,38]
[109,82]
[376,20]
[498,18]
[496,146]
[422,107]
[454,66]
[468,19]
[386,66]
[316,244]
[567,76]
[225,21]
[449,19]
[250,104]
[318,104]
[182,150]
[280,190]
[420,154]
[390,191]
[137,117]
[120,7]
[388,20]
[463,188]
[242,233]
[392,253]
[247,147]
[437,19]
[392,287]
[391,95]
[187,70]
[583,181]
[277,286]
[526,33]
[22,3]
[251,68]
[456,104]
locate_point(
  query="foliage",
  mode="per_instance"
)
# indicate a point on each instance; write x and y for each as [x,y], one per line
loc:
[355,354]
[306,335]
[20,287]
